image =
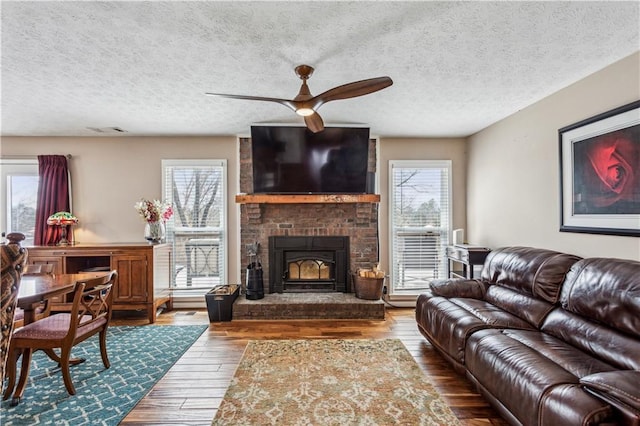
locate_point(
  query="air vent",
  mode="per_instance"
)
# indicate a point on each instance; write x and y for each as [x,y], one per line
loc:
[107,129]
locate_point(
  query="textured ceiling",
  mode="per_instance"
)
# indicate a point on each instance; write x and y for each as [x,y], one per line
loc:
[144,67]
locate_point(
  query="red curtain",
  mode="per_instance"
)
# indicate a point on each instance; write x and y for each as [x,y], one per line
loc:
[53,196]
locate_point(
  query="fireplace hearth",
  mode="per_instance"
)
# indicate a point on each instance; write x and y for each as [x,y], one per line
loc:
[308,264]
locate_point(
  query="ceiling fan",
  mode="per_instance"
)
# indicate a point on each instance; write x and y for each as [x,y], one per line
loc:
[307,105]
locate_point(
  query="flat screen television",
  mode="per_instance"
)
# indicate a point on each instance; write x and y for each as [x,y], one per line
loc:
[294,160]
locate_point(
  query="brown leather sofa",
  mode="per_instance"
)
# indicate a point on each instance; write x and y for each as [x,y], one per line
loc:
[548,338]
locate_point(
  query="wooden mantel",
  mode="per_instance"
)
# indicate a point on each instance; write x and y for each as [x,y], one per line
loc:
[306,198]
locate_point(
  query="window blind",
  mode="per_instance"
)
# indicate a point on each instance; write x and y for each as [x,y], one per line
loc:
[420,193]
[197,230]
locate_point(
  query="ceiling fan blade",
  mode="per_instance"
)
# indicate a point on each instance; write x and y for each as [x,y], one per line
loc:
[307,105]
[286,102]
[314,123]
[352,90]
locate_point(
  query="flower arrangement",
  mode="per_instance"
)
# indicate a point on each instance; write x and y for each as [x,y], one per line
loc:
[154,210]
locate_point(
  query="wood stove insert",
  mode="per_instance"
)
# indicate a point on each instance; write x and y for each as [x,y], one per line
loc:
[308,264]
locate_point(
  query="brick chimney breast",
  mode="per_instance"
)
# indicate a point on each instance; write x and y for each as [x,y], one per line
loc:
[358,221]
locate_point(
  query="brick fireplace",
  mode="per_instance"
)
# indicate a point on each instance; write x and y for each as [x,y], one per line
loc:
[355,218]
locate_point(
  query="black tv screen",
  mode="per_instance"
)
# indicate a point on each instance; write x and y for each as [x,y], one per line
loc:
[294,160]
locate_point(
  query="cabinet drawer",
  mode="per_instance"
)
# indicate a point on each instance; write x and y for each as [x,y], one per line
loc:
[89,253]
[458,254]
[58,265]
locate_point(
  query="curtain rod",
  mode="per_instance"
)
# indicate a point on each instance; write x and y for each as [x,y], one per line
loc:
[26,157]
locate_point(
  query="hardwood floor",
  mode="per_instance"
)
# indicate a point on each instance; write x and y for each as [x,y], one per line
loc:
[192,390]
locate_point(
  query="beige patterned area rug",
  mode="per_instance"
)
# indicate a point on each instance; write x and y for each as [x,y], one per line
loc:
[331,382]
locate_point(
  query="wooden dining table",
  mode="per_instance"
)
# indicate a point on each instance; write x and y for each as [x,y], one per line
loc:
[35,289]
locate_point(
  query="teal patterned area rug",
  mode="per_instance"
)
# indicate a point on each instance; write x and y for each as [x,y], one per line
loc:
[139,357]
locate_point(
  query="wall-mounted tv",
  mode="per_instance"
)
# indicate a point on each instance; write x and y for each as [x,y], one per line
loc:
[294,160]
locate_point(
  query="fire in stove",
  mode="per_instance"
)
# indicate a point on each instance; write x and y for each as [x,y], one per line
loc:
[309,274]
[308,264]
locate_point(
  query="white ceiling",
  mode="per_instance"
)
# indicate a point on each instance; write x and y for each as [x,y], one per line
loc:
[144,67]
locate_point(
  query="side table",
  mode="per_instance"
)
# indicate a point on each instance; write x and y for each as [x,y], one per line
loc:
[463,258]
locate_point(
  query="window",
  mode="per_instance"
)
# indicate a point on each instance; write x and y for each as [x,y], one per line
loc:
[420,194]
[19,195]
[197,230]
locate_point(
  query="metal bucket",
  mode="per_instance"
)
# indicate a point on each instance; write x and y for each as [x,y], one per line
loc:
[255,283]
[368,288]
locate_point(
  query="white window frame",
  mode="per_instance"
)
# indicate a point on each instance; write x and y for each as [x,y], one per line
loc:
[446,234]
[9,168]
[224,223]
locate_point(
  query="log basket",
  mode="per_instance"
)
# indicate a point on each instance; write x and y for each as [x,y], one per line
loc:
[368,288]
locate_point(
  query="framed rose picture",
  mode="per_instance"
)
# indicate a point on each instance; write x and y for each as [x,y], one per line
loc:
[600,173]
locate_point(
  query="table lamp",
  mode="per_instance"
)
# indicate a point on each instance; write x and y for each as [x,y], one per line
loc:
[62,219]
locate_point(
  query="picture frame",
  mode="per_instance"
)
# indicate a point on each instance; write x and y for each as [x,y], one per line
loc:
[600,173]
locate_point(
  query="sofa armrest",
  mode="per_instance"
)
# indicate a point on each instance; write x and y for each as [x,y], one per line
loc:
[459,287]
[614,386]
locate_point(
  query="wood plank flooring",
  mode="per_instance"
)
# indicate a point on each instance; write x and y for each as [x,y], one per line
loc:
[192,390]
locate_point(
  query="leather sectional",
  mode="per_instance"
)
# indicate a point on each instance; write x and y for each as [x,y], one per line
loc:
[547,337]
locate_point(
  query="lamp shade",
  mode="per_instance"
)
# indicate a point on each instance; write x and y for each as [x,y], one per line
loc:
[61,219]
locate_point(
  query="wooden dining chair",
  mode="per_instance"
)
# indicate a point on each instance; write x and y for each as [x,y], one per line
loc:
[45,309]
[13,259]
[90,315]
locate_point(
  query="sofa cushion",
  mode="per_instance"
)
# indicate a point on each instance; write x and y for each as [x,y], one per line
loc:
[602,342]
[575,361]
[533,271]
[570,405]
[455,287]
[621,386]
[522,305]
[449,322]
[607,291]
[522,378]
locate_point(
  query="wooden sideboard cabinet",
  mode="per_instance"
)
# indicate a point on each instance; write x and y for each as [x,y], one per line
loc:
[144,272]
[462,259]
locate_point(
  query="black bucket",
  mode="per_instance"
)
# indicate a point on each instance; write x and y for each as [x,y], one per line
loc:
[255,284]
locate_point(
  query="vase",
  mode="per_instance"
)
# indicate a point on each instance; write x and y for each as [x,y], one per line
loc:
[154,232]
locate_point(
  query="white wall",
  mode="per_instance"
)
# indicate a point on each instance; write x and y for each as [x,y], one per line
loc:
[453,149]
[109,174]
[513,190]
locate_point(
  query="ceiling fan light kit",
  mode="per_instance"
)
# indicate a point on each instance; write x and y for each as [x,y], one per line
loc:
[306,105]
[305,112]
